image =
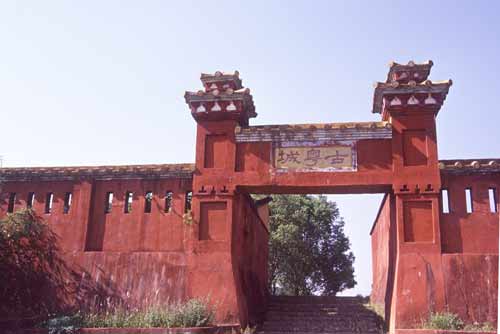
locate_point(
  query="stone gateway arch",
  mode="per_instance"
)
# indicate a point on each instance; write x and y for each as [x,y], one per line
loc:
[153,233]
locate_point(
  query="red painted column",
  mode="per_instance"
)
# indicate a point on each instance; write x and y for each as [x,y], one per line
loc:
[419,283]
[82,213]
[218,110]
[411,102]
[209,242]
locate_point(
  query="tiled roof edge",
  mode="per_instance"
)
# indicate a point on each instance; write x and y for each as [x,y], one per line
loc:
[151,171]
[314,132]
[470,165]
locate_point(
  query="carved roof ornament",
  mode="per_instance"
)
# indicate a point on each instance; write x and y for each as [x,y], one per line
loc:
[413,100]
[243,90]
[224,96]
[216,107]
[231,106]
[201,108]
[411,71]
[409,83]
[430,100]
[395,101]
[220,80]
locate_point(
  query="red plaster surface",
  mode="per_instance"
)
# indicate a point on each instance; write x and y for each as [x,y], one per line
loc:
[250,249]
[419,289]
[472,285]
[417,221]
[212,221]
[253,157]
[72,226]
[415,147]
[137,279]
[384,254]
[137,230]
[475,232]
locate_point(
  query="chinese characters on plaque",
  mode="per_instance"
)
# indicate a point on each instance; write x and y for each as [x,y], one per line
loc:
[324,157]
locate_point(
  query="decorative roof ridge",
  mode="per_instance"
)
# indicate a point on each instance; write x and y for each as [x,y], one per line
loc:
[313,126]
[223,98]
[466,165]
[220,77]
[152,171]
[427,82]
[190,166]
[469,159]
[219,74]
[412,87]
[411,63]
[410,71]
[217,93]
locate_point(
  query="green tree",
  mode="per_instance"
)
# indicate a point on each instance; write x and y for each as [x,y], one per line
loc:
[308,250]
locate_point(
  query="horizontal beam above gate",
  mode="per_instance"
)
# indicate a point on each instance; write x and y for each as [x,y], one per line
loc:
[314,132]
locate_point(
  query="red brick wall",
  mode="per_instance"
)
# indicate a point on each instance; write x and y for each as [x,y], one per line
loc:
[383,238]
[475,232]
[471,282]
[135,258]
[113,231]
[469,244]
[250,255]
[134,279]
[71,227]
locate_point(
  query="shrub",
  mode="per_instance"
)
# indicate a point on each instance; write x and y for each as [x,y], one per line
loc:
[193,313]
[478,327]
[378,309]
[31,270]
[444,320]
[246,330]
[64,324]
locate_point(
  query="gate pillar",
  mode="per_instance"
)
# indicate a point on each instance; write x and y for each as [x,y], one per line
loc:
[218,109]
[410,102]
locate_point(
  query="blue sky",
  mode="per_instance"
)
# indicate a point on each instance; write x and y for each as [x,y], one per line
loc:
[102,82]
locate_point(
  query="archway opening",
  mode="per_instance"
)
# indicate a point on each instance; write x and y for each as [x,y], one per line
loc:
[349,216]
[321,256]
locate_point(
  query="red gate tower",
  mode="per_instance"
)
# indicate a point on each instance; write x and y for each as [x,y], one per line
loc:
[229,230]
[410,102]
